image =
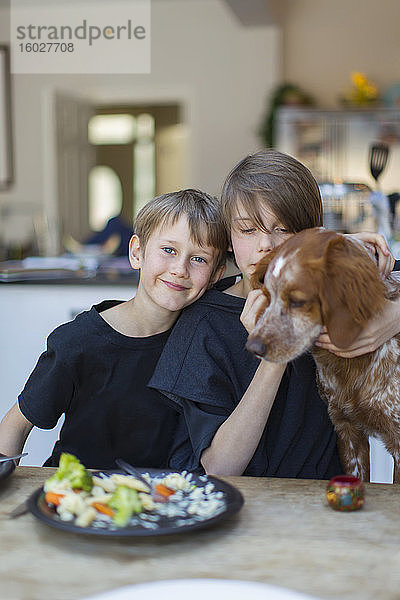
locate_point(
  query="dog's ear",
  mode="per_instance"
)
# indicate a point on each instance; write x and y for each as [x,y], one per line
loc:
[257,278]
[351,292]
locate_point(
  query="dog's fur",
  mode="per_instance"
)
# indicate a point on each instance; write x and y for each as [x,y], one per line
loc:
[320,278]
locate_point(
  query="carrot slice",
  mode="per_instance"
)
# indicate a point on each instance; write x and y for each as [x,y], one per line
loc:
[163,490]
[103,508]
[53,498]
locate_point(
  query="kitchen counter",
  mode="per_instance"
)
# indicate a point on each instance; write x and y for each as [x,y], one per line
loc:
[108,279]
[69,270]
[285,535]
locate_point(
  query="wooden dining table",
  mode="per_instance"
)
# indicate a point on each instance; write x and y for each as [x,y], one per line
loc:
[285,535]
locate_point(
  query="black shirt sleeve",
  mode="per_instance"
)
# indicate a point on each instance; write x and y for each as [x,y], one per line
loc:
[50,387]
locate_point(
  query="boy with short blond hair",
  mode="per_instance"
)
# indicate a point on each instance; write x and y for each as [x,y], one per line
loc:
[96,368]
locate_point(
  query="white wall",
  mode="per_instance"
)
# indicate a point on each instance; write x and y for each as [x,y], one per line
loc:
[202,56]
[324,41]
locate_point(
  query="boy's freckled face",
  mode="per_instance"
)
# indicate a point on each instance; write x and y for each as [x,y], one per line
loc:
[174,270]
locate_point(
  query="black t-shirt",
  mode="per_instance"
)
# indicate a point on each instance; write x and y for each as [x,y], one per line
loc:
[205,369]
[98,378]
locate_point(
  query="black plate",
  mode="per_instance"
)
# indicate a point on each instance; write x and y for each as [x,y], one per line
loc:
[166,525]
[6,468]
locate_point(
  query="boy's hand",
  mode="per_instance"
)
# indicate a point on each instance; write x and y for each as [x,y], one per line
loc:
[256,302]
[379,330]
[378,245]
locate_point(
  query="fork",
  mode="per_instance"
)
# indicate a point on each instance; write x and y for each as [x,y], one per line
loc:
[15,457]
[122,464]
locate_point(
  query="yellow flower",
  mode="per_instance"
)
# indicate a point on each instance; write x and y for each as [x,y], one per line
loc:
[363,90]
[359,79]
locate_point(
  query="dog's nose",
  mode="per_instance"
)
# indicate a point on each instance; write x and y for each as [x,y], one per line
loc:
[256,346]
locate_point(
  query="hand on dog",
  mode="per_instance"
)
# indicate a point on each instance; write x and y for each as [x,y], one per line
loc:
[378,246]
[379,330]
[254,306]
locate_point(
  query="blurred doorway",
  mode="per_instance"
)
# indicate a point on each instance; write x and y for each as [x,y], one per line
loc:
[97,178]
[144,148]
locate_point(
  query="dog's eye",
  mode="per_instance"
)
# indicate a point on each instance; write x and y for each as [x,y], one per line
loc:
[296,303]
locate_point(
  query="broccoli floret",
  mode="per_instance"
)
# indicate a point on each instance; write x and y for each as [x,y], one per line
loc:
[72,470]
[125,501]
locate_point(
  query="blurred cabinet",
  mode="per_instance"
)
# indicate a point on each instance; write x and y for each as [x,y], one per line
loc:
[334,144]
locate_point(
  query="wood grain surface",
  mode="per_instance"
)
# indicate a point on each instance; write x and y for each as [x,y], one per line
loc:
[285,535]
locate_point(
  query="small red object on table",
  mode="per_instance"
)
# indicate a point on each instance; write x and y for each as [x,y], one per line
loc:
[345,493]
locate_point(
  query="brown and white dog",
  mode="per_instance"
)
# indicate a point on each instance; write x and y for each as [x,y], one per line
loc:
[321,278]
